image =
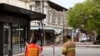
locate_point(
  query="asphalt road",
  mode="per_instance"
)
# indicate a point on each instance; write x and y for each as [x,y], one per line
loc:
[85,51]
[80,51]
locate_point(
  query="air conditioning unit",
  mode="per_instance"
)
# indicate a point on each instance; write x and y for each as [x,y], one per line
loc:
[25,0]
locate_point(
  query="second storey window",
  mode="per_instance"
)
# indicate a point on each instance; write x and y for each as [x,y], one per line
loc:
[59,20]
[37,5]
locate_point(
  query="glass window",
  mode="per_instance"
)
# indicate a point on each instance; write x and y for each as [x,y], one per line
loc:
[18,38]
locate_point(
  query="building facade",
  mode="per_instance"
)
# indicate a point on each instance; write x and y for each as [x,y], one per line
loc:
[15,18]
[19,3]
[55,17]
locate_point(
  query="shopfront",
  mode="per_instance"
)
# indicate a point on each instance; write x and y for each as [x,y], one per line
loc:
[15,28]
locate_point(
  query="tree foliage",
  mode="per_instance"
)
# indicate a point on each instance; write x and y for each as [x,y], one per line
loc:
[87,14]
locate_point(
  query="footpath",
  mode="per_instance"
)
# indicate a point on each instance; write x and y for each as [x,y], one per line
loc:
[78,44]
[87,44]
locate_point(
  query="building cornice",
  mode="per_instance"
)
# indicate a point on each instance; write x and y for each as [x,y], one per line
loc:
[56,6]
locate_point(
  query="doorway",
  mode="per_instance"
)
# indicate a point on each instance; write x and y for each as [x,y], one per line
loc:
[6,39]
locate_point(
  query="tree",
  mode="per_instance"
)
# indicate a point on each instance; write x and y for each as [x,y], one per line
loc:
[87,14]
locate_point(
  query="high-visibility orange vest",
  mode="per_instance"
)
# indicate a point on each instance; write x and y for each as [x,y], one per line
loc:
[32,50]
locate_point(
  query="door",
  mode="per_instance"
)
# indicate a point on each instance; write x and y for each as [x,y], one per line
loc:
[7,39]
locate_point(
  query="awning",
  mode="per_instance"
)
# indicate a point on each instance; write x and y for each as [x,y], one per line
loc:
[32,15]
[57,30]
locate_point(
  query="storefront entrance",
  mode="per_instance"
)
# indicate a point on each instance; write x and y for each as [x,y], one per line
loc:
[13,39]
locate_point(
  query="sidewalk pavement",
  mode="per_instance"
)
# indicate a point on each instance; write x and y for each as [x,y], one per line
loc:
[86,44]
[21,54]
[89,45]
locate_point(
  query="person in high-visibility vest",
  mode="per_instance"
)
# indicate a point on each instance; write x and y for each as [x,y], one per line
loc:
[32,49]
[68,48]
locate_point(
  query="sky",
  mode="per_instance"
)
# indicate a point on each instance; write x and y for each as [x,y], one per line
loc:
[67,3]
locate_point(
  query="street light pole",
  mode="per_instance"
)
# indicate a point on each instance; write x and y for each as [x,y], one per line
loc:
[42,6]
[63,31]
[41,23]
[64,26]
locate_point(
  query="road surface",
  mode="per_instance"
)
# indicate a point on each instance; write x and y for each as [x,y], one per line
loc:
[80,51]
